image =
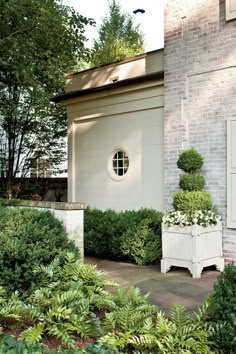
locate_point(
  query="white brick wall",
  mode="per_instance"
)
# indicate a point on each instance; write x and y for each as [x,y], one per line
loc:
[200,91]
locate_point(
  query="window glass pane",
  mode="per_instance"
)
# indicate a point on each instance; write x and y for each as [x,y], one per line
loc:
[120,172]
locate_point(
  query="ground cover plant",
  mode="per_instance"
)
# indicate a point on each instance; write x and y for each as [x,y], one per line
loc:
[129,235]
[86,313]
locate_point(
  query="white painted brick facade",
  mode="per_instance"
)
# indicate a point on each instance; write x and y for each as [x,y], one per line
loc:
[200,94]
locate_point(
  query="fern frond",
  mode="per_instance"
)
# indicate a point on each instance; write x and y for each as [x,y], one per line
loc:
[143,341]
[33,334]
[59,313]
[178,315]
[61,331]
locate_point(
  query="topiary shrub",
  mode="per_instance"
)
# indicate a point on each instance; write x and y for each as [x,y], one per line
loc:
[190,161]
[192,182]
[192,201]
[28,237]
[106,233]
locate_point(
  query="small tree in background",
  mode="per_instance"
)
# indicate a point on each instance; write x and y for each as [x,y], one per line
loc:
[119,37]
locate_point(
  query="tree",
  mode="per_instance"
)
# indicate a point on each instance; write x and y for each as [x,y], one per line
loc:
[40,41]
[119,37]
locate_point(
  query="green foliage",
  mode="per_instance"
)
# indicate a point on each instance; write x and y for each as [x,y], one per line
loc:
[192,201]
[223,309]
[190,160]
[68,299]
[36,36]
[118,37]
[99,228]
[63,304]
[178,333]
[192,182]
[10,345]
[141,244]
[128,235]
[28,237]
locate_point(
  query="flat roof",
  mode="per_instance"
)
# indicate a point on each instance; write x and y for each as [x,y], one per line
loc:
[126,60]
[116,84]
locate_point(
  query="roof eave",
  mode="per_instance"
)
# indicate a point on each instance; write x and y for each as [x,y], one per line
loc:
[117,84]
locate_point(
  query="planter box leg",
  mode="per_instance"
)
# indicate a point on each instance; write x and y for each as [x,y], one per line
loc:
[165,267]
[196,270]
[220,264]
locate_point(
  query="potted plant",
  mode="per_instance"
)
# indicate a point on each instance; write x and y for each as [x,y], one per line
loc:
[192,233]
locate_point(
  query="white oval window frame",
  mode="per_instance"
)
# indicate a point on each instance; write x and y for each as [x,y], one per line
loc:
[110,169]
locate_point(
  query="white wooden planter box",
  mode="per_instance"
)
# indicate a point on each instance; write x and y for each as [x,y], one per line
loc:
[193,247]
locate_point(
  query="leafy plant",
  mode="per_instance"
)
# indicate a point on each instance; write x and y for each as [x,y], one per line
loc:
[192,201]
[28,237]
[63,304]
[141,244]
[190,160]
[222,309]
[192,182]
[117,235]
[100,227]
[178,333]
[74,298]
[10,345]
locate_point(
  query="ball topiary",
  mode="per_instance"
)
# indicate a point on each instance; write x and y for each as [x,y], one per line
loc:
[192,201]
[192,182]
[190,160]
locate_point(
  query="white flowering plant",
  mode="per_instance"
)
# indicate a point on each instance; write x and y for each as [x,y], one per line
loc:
[199,217]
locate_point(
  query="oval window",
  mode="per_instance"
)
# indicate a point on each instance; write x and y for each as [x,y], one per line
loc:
[118,163]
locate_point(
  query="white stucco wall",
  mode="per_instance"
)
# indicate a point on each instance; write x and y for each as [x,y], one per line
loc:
[131,118]
[103,116]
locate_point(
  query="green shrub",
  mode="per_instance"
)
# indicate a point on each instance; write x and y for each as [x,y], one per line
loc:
[191,201]
[192,182]
[223,309]
[106,232]
[141,244]
[190,160]
[28,237]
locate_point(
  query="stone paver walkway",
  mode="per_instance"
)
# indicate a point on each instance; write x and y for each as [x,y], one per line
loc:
[175,287]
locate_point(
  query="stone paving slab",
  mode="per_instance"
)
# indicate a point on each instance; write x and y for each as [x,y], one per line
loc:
[175,287]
